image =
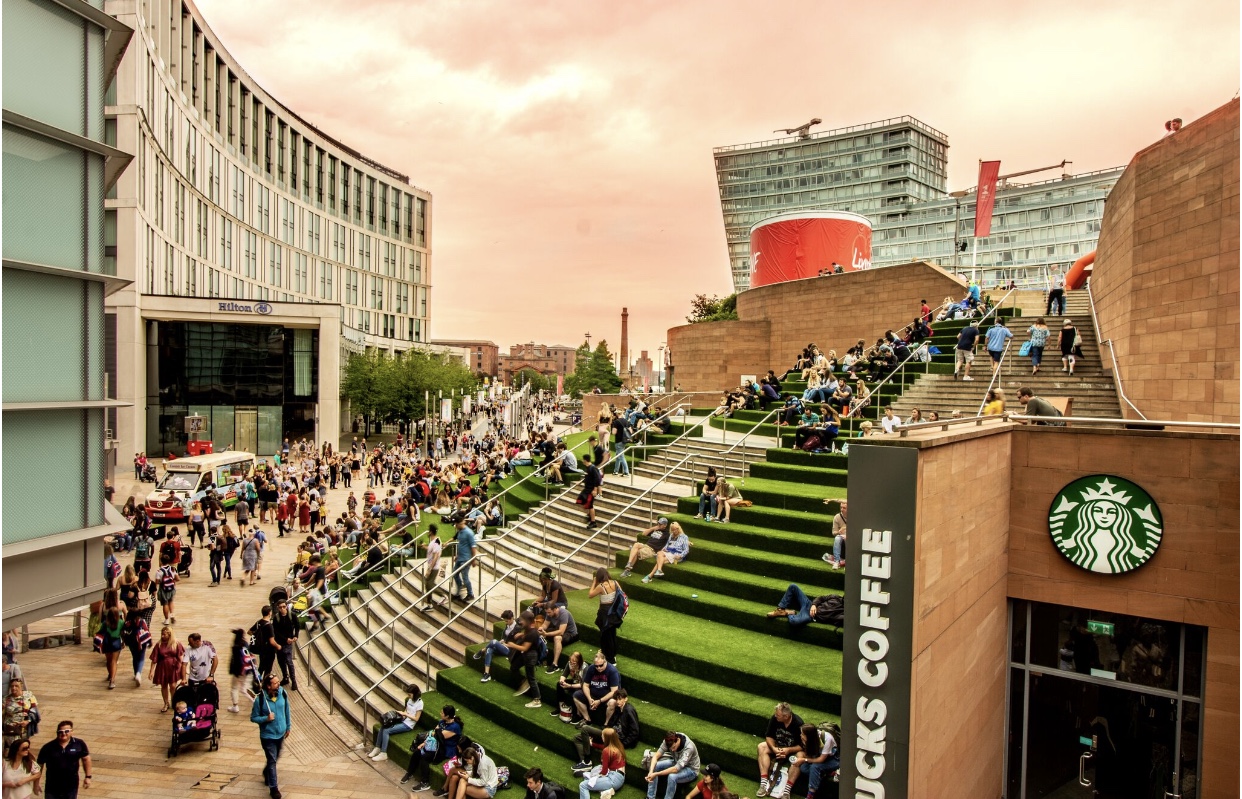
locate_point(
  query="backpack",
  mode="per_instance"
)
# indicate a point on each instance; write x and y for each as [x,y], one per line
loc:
[812,443]
[619,607]
[114,569]
[142,549]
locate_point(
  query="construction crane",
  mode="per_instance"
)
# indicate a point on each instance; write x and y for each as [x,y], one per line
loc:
[1003,179]
[803,131]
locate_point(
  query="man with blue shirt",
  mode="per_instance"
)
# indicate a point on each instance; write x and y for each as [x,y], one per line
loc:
[465,553]
[997,335]
[598,691]
[271,713]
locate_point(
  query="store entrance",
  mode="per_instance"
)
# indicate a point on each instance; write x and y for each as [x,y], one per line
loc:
[246,429]
[1089,741]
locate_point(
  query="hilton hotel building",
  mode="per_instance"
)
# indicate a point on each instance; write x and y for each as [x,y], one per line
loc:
[259,251]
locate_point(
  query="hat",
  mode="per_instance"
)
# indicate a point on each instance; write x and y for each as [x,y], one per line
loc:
[662,521]
[711,770]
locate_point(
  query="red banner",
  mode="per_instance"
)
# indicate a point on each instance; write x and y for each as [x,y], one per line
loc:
[985,197]
[560,385]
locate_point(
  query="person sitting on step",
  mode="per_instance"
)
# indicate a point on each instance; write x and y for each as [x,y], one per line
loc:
[782,739]
[656,537]
[674,552]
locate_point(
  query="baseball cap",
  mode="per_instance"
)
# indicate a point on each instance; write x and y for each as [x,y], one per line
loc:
[711,770]
[662,521]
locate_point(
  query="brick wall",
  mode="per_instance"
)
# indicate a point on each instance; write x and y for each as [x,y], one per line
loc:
[958,688]
[1192,578]
[1166,273]
[777,321]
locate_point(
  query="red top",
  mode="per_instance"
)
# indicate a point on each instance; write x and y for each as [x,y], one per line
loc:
[611,761]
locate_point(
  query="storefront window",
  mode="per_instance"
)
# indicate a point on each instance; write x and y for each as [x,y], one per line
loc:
[1106,645]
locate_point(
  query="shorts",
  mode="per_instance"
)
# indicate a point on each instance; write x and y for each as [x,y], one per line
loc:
[645,552]
[587,498]
[996,355]
[166,595]
[964,356]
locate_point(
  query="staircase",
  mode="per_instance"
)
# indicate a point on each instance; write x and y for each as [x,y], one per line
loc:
[1091,385]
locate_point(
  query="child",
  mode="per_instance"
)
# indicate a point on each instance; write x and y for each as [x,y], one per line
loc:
[183,719]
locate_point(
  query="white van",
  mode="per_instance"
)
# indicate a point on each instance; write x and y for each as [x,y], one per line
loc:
[187,480]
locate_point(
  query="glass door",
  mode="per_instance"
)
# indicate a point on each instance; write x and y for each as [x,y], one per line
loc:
[246,430]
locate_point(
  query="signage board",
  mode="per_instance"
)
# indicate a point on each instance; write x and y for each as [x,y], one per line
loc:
[879,623]
[1100,627]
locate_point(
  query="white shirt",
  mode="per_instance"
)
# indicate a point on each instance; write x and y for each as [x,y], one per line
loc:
[199,660]
[889,423]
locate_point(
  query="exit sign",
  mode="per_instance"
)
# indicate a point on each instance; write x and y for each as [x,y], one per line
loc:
[1100,627]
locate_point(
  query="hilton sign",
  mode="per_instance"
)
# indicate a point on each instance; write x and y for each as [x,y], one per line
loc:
[235,307]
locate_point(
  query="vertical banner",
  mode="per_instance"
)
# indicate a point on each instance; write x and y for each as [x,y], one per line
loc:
[985,197]
[446,410]
[465,404]
[560,385]
[879,623]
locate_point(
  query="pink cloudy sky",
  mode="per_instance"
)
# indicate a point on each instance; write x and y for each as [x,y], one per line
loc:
[568,144]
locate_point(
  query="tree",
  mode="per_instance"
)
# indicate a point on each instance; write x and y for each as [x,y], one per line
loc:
[593,370]
[712,309]
[397,388]
[537,380]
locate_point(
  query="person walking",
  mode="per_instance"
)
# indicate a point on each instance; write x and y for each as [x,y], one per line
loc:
[271,713]
[998,335]
[1065,342]
[59,760]
[964,351]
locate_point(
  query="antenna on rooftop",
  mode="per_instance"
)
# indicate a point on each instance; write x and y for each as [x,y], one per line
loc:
[802,131]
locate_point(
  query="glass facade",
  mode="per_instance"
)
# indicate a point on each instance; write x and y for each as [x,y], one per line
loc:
[864,169]
[1038,224]
[253,384]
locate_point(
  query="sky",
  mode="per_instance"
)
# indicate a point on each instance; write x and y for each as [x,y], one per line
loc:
[568,145]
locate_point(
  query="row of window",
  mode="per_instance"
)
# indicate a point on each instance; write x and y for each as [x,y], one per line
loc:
[815,147]
[886,255]
[258,269]
[289,159]
[818,165]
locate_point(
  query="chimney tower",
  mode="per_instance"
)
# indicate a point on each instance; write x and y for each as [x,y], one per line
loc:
[625,342]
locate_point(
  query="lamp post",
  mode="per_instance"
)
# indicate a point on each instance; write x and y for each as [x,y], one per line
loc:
[661,380]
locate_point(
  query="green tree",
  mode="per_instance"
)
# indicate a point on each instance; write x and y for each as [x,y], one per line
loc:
[537,380]
[593,370]
[712,309]
[397,388]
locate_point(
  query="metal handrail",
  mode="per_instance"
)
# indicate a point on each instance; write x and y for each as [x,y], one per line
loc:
[945,424]
[605,528]
[392,551]
[995,375]
[1129,423]
[1095,325]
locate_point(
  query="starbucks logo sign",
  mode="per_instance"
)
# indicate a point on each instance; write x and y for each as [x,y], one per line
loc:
[1105,524]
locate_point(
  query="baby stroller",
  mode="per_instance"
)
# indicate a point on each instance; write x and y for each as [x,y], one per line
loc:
[147,475]
[204,699]
[187,560]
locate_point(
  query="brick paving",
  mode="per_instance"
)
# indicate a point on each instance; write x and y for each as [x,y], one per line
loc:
[129,737]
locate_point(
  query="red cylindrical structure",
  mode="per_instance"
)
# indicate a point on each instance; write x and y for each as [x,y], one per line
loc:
[805,243]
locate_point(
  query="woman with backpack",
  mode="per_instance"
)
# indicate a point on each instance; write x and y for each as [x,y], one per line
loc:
[604,587]
[820,754]
[241,665]
[137,636]
[216,561]
[108,640]
[231,545]
[167,579]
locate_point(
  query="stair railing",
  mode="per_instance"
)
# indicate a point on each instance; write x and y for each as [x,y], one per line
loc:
[1095,325]
[996,373]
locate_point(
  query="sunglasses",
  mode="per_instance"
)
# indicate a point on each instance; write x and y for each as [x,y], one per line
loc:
[63,732]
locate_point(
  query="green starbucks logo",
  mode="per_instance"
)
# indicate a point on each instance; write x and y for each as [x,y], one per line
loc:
[1105,524]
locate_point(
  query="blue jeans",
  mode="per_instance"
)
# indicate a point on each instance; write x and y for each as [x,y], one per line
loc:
[612,781]
[621,466]
[271,751]
[461,577]
[838,548]
[708,500]
[139,655]
[796,599]
[516,462]
[674,779]
[817,772]
[492,649]
[381,736]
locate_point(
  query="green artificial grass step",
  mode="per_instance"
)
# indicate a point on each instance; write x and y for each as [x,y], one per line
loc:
[694,646]
[745,560]
[815,475]
[800,521]
[780,494]
[775,541]
[797,457]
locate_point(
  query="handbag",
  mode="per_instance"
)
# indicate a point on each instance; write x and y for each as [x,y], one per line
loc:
[32,721]
[390,719]
[1026,349]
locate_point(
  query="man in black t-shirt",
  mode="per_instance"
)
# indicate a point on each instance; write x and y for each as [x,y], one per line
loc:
[782,739]
[590,490]
[60,758]
[620,437]
[657,538]
[284,635]
[964,353]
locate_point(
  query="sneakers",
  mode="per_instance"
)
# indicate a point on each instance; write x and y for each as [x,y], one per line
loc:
[234,709]
[523,688]
[551,670]
[968,377]
[381,757]
[698,516]
[658,573]
[478,655]
[582,765]
[375,750]
[763,788]
[646,578]
[441,792]
[626,572]
[422,786]
[776,614]
[608,794]
[827,558]
[486,678]
[532,703]
[724,521]
[137,680]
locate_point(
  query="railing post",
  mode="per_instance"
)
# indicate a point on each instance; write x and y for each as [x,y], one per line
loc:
[331,691]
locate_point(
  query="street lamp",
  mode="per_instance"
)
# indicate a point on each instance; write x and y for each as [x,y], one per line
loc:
[588,340]
[661,380]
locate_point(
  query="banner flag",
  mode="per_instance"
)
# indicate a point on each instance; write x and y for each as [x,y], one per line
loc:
[985,197]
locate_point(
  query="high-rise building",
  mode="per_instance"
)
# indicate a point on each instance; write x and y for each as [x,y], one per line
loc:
[864,168]
[59,160]
[260,251]
[1050,222]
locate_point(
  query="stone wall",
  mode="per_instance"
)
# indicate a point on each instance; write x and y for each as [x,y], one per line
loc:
[1165,280]
[777,321]
[961,615]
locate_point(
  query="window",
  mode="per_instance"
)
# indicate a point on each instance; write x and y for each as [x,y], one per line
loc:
[232,91]
[331,184]
[159,193]
[245,103]
[396,212]
[293,167]
[269,135]
[300,275]
[191,277]
[371,203]
[203,223]
[226,244]
[345,172]
[170,263]
[213,178]
[383,209]
[280,150]
[409,217]
[357,197]
[319,176]
[250,247]
[422,222]
[306,169]
[273,264]
[179,203]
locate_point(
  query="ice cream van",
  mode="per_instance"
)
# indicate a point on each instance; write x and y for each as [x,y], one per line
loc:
[187,480]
